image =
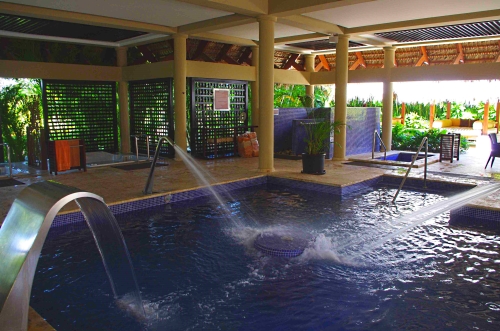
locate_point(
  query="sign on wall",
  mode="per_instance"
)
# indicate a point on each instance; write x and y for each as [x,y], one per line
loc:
[221,99]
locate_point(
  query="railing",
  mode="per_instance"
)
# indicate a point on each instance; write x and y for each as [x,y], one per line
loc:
[8,158]
[136,137]
[375,135]
[425,140]
[148,189]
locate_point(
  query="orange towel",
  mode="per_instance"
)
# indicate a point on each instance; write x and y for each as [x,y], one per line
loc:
[63,155]
[74,148]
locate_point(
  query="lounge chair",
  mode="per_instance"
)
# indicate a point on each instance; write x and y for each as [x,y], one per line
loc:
[495,149]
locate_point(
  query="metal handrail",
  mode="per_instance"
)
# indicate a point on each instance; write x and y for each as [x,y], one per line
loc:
[8,158]
[137,136]
[375,134]
[425,140]
[148,189]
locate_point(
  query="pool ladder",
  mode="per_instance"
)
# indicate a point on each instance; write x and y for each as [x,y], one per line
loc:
[424,141]
[375,135]
[136,137]
[148,189]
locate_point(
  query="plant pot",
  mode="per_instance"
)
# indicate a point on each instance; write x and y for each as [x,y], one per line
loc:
[313,164]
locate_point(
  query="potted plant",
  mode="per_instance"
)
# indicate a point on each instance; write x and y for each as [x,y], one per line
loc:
[318,132]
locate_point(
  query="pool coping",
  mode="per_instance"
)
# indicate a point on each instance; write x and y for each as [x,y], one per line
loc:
[433,158]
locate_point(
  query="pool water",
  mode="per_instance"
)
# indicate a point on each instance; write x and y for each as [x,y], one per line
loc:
[404,157]
[197,270]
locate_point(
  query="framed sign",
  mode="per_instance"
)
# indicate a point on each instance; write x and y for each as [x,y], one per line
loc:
[221,99]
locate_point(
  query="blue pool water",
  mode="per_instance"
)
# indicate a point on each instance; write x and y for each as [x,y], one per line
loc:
[198,271]
[404,157]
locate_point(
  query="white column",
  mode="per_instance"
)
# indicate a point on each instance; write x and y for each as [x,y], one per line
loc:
[266,92]
[180,65]
[255,90]
[121,59]
[309,66]
[341,78]
[387,97]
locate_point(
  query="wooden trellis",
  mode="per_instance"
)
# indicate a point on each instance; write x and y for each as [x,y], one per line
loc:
[213,132]
[81,110]
[151,113]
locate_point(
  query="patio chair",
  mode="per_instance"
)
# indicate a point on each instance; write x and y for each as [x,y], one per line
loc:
[495,149]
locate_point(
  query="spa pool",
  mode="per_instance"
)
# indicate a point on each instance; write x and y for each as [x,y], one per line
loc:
[198,270]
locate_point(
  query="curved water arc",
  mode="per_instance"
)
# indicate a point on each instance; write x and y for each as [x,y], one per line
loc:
[22,236]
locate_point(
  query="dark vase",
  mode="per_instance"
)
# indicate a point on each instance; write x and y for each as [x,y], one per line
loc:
[313,164]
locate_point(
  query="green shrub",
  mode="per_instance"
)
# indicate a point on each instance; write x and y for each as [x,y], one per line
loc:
[408,139]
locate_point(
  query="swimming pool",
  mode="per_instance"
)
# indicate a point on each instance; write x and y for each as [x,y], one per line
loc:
[199,271]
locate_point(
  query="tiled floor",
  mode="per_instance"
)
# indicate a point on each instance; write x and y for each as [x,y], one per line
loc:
[116,185]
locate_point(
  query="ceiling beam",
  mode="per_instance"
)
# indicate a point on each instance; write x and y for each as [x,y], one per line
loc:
[359,62]
[223,22]
[291,60]
[311,24]
[424,59]
[427,22]
[219,38]
[297,7]
[72,17]
[243,7]
[323,62]
[299,38]
[460,56]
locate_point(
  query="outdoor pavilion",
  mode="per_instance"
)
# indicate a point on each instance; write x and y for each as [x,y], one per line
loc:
[320,39]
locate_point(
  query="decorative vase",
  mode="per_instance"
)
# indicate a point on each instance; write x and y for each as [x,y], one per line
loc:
[313,164]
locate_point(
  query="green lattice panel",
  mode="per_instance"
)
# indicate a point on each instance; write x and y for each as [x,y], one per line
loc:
[82,110]
[211,130]
[151,114]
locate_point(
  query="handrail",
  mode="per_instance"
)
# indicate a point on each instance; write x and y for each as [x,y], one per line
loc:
[137,136]
[375,134]
[148,189]
[8,158]
[425,140]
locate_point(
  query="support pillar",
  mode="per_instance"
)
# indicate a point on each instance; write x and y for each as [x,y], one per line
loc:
[448,110]
[180,69]
[341,76]
[388,96]
[309,66]
[255,90]
[266,92]
[486,116]
[121,61]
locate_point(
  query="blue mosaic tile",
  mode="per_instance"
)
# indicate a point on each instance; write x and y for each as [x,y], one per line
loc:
[77,217]
[418,184]
[362,122]
[283,127]
[475,218]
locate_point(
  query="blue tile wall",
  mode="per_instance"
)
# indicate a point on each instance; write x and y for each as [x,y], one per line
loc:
[77,217]
[463,216]
[362,122]
[283,127]
[475,218]
[418,183]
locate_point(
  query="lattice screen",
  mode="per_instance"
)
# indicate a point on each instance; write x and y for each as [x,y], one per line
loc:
[82,110]
[213,132]
[151,113]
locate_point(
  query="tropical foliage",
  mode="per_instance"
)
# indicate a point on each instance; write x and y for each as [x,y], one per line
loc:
[409,139]
[20,107]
